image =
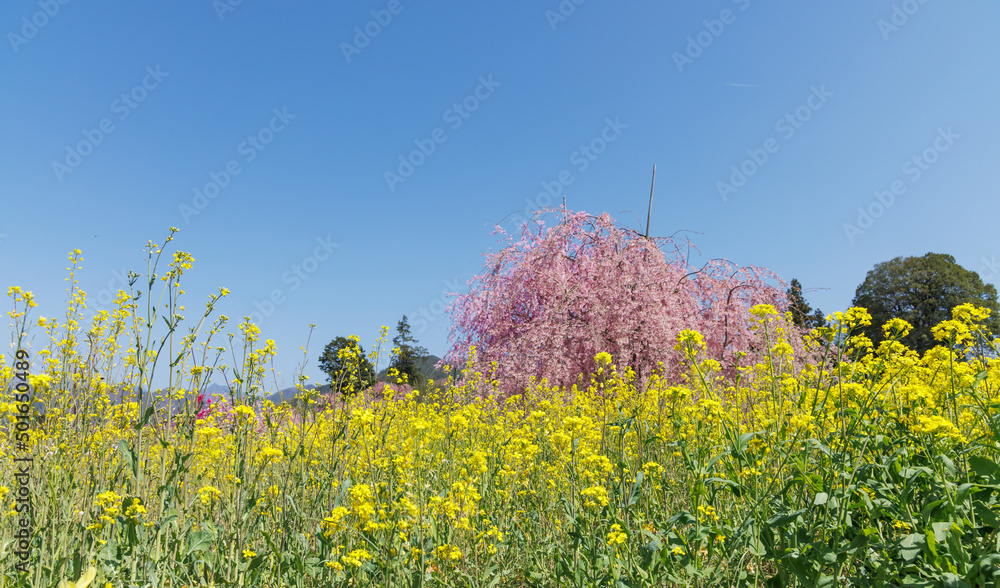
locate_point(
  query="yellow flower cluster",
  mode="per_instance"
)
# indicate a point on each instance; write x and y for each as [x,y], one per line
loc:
[110,504]
[449,477]
[208,494]
[616,536]
[937,426]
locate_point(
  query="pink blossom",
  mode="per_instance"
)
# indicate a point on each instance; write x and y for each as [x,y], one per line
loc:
[203,405]
[548,303]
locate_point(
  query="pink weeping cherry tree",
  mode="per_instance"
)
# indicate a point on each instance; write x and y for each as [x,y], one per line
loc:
[546,304]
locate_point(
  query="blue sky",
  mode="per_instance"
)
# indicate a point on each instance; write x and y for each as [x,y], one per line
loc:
[120,120]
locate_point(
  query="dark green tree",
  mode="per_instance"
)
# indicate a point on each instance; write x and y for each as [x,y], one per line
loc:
[345,363]
[803,315]
[407,361]
[922,291]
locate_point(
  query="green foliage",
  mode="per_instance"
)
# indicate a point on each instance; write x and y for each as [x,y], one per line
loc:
[345,363]
[407,360]
[922,291]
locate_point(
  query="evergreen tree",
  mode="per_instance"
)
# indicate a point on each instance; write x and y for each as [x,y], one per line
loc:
[345,363]
[407,360]
[803,315]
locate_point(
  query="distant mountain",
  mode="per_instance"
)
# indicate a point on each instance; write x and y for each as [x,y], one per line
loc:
[284,395]
[288,394]
[214,389]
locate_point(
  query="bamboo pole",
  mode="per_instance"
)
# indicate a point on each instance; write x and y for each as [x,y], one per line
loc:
[649,214]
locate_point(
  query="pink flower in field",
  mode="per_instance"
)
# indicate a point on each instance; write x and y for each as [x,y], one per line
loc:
[203,405]
[383,390]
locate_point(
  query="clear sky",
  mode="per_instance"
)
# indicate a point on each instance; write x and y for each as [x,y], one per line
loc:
[351,158]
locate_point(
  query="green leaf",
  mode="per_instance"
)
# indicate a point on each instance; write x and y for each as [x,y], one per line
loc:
[110,553]
[949,465]
[986,515]
[636,489]
[130,459]
[783,519]
[985,468]
[964,491]
[270,542]
[725,482]
[822,448]
[911,546]
[654,545]
[712,461]
[145,418]
[911,581]
[821,499]
[914,473]
[860,540]
[683,518]
[163,522]
[930,547]
[941,530]
[199,541]
[255,563]
[744,441]
[930,508]
[987,562]
[295,508]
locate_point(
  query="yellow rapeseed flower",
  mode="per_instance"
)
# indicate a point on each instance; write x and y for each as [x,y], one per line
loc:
[208,494]
[896,328]
[356,558]
[595,496]
[616,537]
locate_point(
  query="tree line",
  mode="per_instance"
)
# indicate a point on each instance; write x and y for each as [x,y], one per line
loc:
[921,290]
[349,369]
